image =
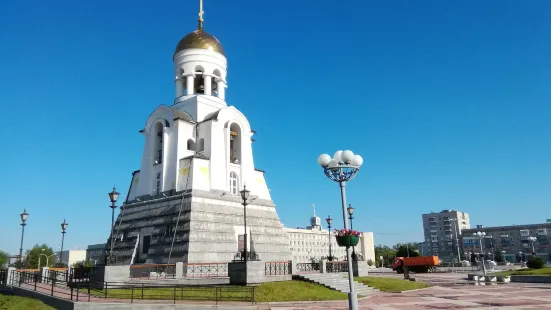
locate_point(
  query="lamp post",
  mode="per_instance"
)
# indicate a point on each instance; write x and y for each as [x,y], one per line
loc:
[245,196]
[342,168]
[329,220]
[532,240]
[480,236]
[23,216]
[456,220]
[350,211]
[113,196]
[63,232]
[521,258]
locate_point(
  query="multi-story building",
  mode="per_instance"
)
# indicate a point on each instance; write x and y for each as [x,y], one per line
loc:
[96,253]
[71,257]
[312,243]
[510,241]
[442,232]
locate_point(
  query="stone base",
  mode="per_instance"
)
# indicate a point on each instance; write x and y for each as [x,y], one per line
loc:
[255,273]
[114,274]
[360,268]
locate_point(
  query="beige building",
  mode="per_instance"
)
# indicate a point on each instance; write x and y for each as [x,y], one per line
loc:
[312,243]
[442,231]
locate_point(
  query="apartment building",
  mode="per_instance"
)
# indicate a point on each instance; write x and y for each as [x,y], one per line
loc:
[442,231]
[511,241]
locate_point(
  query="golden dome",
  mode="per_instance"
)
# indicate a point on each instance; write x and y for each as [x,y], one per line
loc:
[200,39]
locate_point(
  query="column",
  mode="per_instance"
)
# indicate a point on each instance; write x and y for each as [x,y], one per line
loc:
[221,88]
[190,79]
[179,87]
[207,79]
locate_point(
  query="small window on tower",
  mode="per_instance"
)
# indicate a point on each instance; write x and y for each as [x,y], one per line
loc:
[201,147]
[235,144]
[234,180]
[190,145]
[158,154]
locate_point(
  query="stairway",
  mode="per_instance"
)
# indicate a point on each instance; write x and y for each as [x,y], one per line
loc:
[335,281]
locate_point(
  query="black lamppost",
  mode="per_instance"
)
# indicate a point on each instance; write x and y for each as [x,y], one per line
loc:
[63,232]
[350,211]
[245,195]
[329,220]
[24,216]
[113,196]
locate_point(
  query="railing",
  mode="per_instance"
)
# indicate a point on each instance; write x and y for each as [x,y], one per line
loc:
[205,270]
[458,267]
[337,267]
[155,271]
[81,275]
[60,274]
[308,267]
[127,292]
[277,268]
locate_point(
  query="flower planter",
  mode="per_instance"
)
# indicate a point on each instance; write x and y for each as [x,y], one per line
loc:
[347,240]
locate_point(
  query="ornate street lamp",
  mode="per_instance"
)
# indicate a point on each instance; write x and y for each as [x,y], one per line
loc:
[342,168]
[63,232]
[23,216]
[532,240]
[350,211]
[329,220]
[113,196]
[480,236]
[245,196]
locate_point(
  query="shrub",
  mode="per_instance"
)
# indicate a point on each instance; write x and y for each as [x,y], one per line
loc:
[535,263]
[369,262]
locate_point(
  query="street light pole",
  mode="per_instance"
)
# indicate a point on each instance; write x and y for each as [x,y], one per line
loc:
[532,240]
[350,211]
[245,196]
[23,216]
[329,220]
[456,220]
[481,236]
[341,168]
[113,196]
[63,232]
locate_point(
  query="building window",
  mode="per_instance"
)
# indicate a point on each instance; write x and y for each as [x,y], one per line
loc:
[235,144]
[158,153]
[201,146]
[233,183]
[190,145]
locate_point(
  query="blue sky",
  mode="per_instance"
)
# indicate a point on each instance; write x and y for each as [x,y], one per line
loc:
[447,101]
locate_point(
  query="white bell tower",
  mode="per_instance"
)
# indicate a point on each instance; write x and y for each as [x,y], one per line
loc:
[199,134]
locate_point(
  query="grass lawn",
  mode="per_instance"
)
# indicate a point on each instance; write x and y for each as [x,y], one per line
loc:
[526,272]
[267,292]
[21,303]
[391,284]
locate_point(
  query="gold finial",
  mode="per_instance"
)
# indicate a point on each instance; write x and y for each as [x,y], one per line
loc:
[200,27]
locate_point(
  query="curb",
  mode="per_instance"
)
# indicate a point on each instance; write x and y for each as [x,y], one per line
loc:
[415,290]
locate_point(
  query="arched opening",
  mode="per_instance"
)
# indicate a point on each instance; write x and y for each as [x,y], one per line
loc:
[234,181]
[199,80]
[158,183]
[190,145]
[215,83]
[235,144]
[183,80]
[201,146]
[158,138]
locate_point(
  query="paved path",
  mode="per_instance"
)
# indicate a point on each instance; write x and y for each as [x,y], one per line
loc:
[510,296]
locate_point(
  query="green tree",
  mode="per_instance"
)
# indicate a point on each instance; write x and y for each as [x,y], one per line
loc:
[406,250]
[387,253]
[42,253]
[4,259]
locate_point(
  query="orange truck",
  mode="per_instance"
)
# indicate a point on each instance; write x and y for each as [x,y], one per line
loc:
[421,264]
